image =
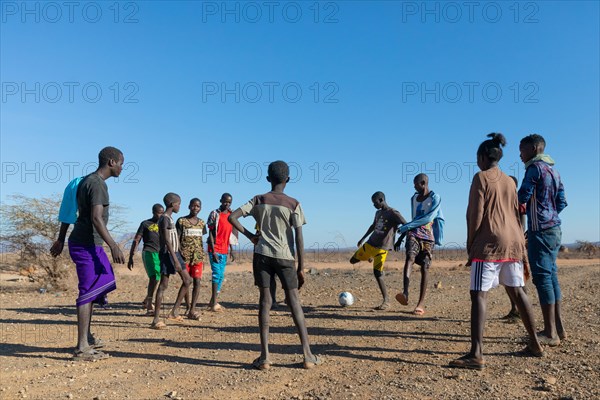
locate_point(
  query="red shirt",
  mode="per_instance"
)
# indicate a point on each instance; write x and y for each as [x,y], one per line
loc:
[223,233]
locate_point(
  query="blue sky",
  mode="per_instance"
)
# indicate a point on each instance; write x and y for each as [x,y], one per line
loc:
[357,96]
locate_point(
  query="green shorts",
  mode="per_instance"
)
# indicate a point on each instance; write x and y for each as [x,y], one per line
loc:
[152,264]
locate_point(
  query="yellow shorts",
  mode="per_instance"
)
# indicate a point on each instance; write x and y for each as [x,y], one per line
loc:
[367,251]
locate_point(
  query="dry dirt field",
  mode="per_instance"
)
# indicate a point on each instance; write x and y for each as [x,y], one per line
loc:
[368,354]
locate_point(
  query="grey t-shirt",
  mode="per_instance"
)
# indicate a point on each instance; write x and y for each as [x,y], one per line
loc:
[92,191]
[386,223]
[276,215]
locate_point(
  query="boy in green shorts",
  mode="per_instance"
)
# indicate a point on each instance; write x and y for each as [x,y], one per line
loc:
[382,231]
[148,232]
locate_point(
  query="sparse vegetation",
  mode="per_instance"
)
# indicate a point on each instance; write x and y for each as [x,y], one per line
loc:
[28,228]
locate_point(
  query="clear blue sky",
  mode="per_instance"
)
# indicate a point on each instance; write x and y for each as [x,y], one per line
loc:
[367,94]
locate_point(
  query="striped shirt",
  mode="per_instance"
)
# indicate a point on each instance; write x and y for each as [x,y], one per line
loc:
[171,237]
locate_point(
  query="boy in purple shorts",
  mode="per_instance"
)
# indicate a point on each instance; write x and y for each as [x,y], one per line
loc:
[280,218]
[94,271]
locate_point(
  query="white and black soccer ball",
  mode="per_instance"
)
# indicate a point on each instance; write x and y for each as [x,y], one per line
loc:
[346,299]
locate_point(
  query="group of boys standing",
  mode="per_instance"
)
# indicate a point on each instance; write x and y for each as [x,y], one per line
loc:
[495,246]
[177,247]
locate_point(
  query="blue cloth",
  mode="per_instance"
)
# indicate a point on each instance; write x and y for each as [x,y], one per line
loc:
[435,214]
[68,205]
[218,268]
[544,194]
[542,249]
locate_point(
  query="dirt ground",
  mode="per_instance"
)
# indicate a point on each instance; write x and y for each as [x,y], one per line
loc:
[368,354]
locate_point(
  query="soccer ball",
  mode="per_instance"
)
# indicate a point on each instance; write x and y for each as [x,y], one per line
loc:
[346,299]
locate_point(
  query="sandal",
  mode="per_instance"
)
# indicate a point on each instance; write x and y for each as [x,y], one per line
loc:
[543,339]
[178,318]
[312,364]
[95,342]
[402,299]
[261,364]
[383,306]
[529,352]
[158,326]
[467,362]
[89,354]
[196,316]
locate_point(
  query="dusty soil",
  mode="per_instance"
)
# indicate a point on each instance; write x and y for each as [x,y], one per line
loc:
[368,354]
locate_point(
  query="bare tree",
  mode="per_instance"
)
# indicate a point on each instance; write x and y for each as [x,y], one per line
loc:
[28,228]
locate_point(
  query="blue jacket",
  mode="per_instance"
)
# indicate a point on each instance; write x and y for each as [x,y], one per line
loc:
[544,194]
[435,215]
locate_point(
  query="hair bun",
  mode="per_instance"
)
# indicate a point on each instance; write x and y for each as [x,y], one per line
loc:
[498,139]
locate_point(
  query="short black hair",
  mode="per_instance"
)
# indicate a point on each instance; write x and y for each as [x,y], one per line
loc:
[171,198]
[195,199]
[279,172]
[107,154]
[421,176]
[157,207]
[535,140]
[226,195]
[492,148]
[378,195]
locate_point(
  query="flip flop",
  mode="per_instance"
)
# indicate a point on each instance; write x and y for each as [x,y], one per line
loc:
[261,364]
[95,342]
[149,313]
[545,340]
[402,299]
[467,362]
[158,326]
[195,316]
[178,318]
[419,311]
[312,364]
[529,352]
[89,354]
[217,308]
[382,306]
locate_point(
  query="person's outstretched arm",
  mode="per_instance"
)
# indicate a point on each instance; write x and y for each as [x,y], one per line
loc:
[369,231]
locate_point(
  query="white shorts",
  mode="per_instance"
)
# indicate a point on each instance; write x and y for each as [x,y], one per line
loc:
[487,274]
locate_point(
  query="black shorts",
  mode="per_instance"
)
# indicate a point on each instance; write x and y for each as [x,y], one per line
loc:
[265,268]
[167,265]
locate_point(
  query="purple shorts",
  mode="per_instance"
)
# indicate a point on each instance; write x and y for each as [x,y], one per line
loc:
[95,274]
